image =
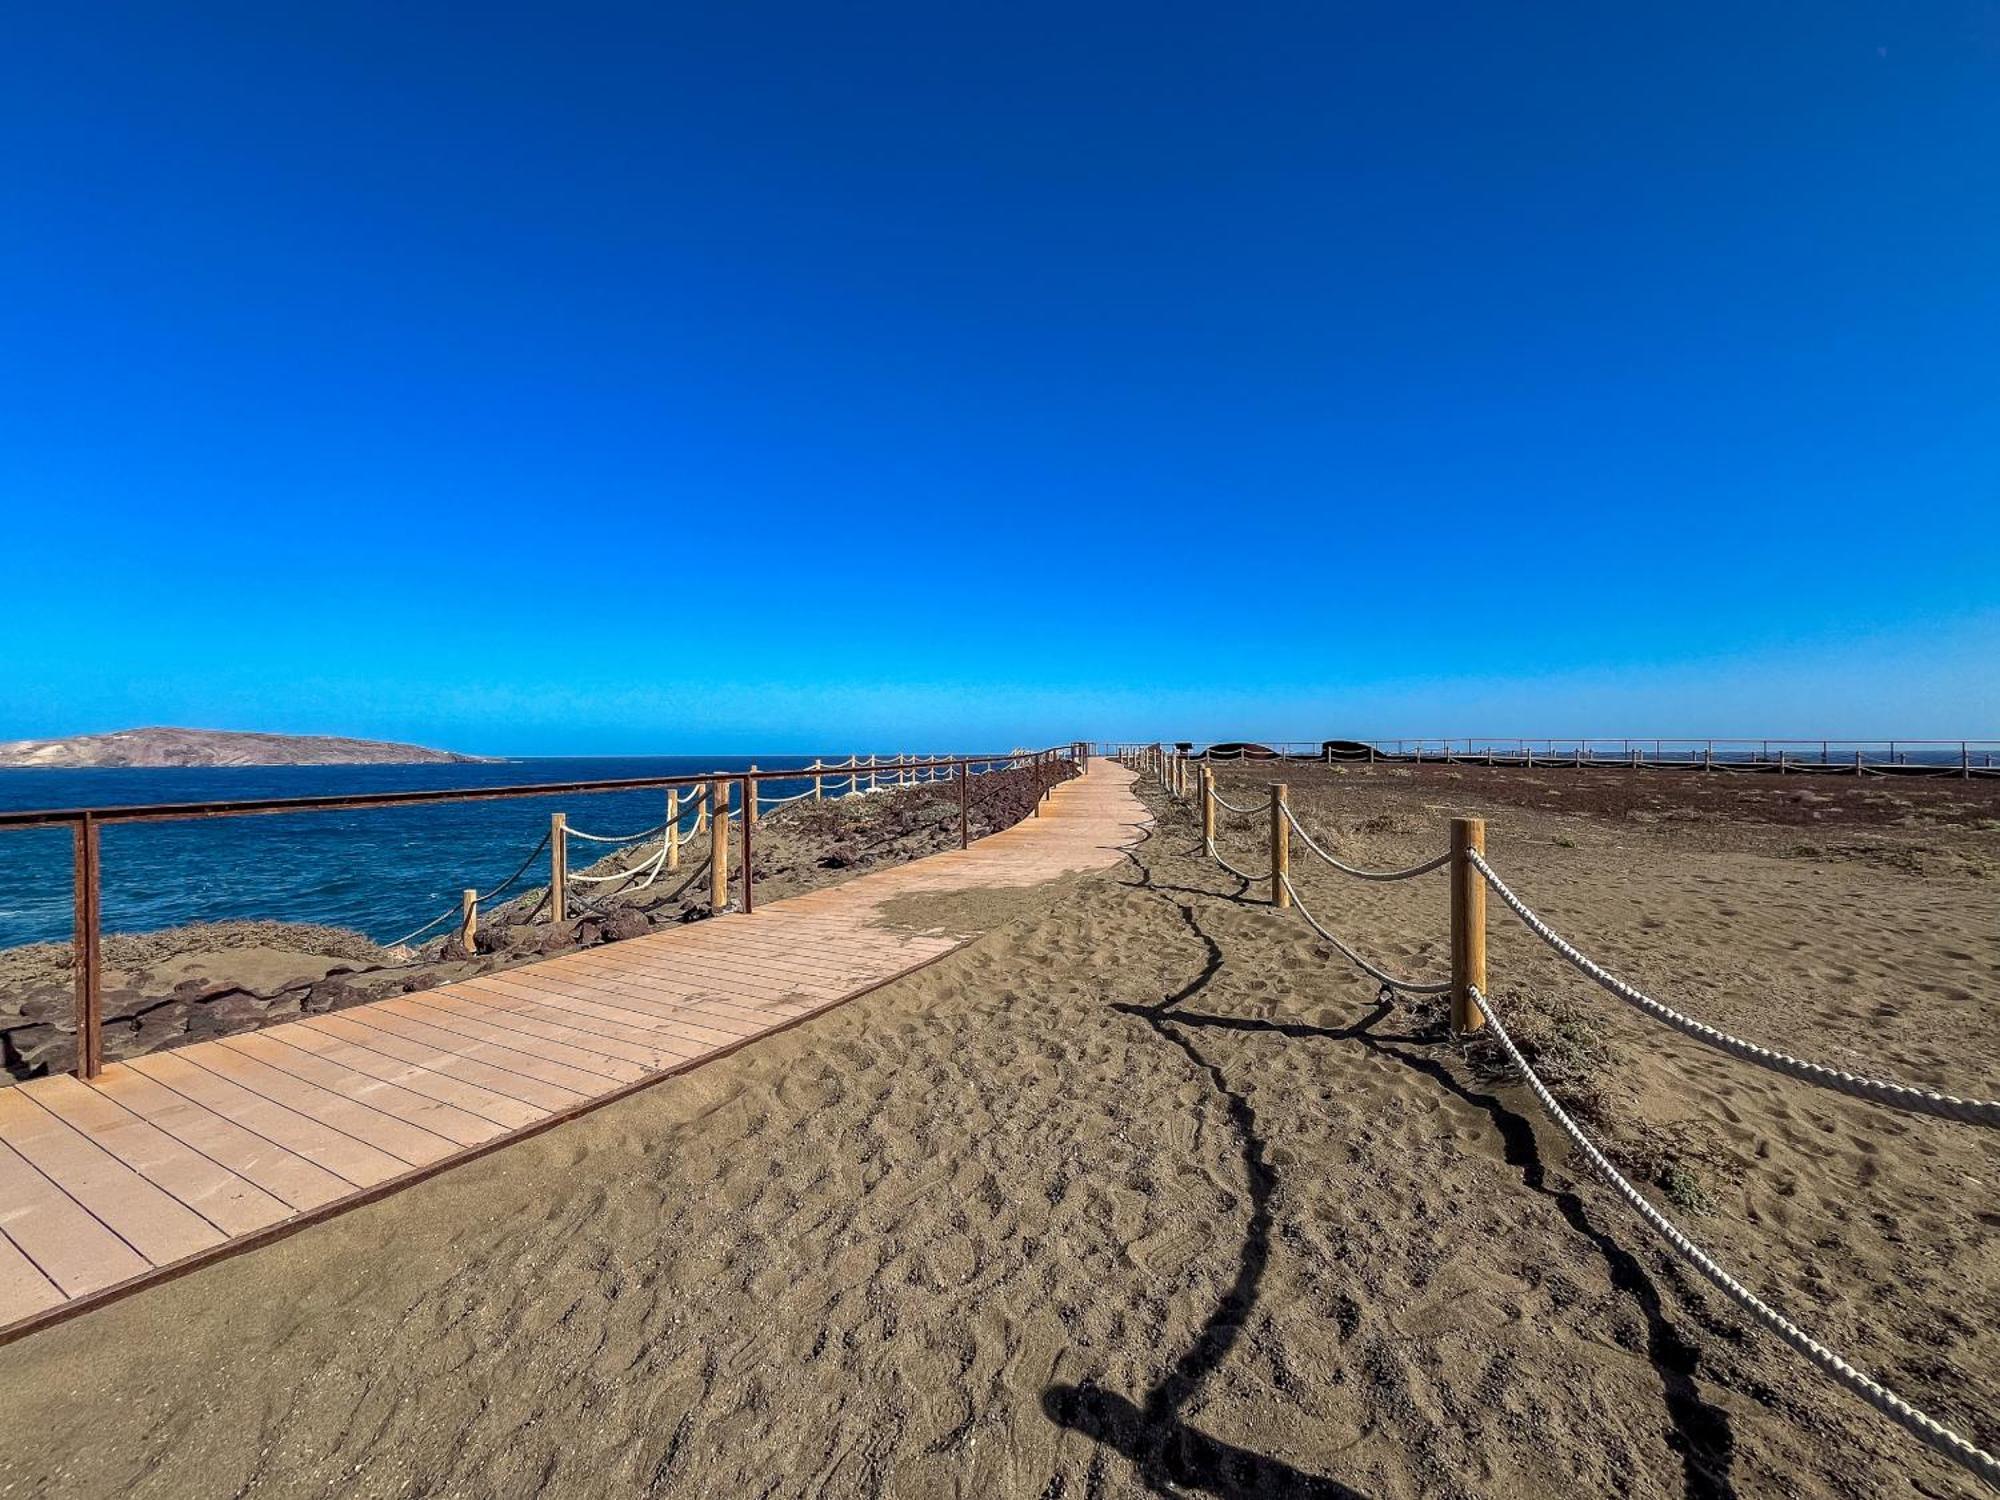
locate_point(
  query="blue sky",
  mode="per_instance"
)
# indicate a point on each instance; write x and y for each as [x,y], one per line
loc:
[713,378]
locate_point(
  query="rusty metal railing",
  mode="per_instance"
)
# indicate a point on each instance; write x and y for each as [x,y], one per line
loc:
[85,824]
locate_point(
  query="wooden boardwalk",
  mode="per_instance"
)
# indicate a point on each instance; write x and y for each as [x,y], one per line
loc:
[174,1158]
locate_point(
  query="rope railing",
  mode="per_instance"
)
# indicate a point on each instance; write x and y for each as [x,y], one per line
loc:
[1395,982]
[1216,855]
[1926,1429]
[1358,873]
[445,916]
[1876,1090]
[1472,1007]
[625,838]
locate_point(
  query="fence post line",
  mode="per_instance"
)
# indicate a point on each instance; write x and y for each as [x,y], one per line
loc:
[819,782]
[88,958]
[1207,810]
[559,867]
[1468,924]
[700,815]
[1281,848]
[673,828]
[718,845]
[1964,761]
[874,778]
[1036,764]
[964,828]
[749,823]
[468,921]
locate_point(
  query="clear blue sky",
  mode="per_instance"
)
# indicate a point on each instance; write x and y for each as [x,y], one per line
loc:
[680,377]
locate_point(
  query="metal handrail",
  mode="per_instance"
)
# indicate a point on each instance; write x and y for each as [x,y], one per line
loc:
[166,812]
[85,824]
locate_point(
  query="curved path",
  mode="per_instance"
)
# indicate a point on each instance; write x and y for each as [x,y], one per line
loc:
[170,1160]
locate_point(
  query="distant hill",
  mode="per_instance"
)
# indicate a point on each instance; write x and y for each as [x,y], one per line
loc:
[219,747]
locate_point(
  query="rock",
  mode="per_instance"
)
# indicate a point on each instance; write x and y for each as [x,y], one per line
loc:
[622,924]
[30,1051]
[160,1025]
[330,994]
[235,1010]
[49,1004]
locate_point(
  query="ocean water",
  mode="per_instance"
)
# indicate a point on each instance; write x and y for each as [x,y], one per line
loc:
[380,871]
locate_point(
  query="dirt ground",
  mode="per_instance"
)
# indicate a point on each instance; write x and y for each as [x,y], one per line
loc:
[1146,1191]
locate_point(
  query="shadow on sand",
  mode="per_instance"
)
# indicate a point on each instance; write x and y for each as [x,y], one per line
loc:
[1174,1457]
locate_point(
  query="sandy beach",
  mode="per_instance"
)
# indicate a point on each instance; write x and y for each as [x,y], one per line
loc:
[1146,1191]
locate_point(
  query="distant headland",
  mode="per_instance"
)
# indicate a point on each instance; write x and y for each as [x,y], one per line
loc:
[219,747]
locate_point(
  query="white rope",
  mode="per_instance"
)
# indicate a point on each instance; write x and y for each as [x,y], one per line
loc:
[1410,986]
[1924,1428]
[1875,1090]
[763,801]
[1216,855]
[602,838]
[1346,869]
[615,874]
[1252,810]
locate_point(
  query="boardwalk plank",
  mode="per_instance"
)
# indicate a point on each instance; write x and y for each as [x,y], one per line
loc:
[72,1248]
[361,1164]
[154,1223]
[284,1174]
[228,1137]
[432,1082]
[574,1083]
[232,1203]
[23,1284]
[461,1127]
[410,1144]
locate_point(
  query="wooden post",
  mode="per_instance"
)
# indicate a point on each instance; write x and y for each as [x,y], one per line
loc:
[468,922]
[1964,761]
[1281,848]
[874,779]
[1036,764]
[1468,924]
[718,845]
[964,828]
[673,828]
[1207,809]
[819,782]
[750,797]
[88,957]
[700,815]
[558,867]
